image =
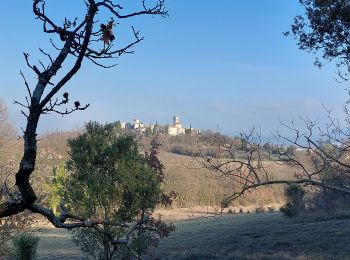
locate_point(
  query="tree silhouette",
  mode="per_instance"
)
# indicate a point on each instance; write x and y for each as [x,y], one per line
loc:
[75,40]
[325,29]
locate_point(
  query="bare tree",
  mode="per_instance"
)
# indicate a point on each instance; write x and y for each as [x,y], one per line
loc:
[320,157]
[75,40]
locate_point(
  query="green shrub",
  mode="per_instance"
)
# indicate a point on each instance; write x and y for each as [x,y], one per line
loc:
[25,246]
[295,201]
[108,178]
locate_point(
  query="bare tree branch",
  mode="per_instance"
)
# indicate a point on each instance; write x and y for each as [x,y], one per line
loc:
[78,39]
[249,164]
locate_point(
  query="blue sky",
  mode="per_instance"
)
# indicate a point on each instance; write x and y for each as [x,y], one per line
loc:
[212,63]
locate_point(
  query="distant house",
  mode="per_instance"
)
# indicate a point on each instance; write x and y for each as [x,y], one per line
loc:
[137,124]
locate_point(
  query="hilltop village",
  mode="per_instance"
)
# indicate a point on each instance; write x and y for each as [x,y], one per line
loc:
[174,129]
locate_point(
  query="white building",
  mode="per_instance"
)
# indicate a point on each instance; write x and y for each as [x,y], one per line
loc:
[137,124]
[176,128]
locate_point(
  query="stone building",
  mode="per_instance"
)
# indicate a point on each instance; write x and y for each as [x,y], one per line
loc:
[176,128]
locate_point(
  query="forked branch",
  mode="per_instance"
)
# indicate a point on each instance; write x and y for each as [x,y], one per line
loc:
[78,40]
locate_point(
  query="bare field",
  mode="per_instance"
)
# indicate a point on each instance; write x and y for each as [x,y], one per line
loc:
[233,236]
[198,186]
[179,214]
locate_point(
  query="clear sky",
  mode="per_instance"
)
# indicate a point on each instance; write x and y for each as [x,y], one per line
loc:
[223,62]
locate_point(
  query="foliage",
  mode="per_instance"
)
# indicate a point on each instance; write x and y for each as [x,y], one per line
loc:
[10,226]
[110,179]
[325,28]
[118,125]
[148,132]
[25,246]
[57,187]
[295,201]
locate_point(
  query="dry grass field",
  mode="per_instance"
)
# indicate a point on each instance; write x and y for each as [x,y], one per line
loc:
[233,236]
[200,187]
[200,235]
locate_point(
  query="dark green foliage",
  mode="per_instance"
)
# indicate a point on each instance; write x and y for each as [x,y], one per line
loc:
[148,132]
[325,29]
[25,246]
[110,179]
[118,125]
[295,201]
[108,170]
[166,131]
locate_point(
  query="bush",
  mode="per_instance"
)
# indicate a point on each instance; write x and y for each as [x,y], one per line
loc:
[108,178]
[295,201]
[25,246]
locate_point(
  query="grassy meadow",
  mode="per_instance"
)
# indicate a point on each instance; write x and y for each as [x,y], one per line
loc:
[232,236]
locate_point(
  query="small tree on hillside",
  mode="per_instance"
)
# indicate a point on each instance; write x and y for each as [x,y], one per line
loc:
[109,179]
